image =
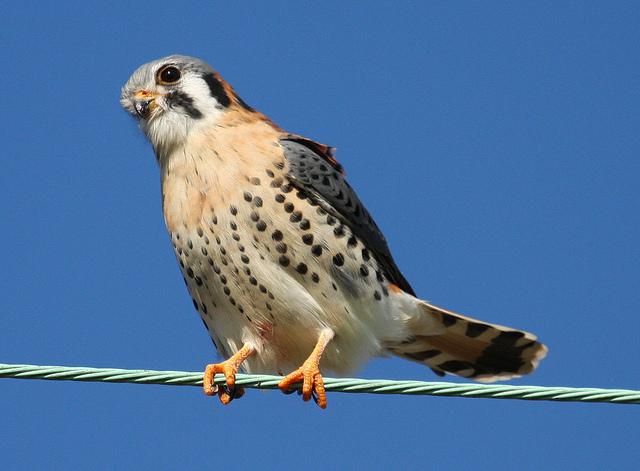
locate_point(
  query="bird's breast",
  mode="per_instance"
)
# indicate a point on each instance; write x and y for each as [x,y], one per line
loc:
[264,262]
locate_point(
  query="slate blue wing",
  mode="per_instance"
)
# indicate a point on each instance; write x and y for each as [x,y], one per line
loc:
[312,168]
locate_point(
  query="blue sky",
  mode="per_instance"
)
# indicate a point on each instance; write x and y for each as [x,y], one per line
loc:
[496,143]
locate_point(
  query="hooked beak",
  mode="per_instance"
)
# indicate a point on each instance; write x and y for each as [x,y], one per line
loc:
[144,103]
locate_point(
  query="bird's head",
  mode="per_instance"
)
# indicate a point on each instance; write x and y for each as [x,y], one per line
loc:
[174,95]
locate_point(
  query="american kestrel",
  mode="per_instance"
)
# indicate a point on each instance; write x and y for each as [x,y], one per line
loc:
[283,262]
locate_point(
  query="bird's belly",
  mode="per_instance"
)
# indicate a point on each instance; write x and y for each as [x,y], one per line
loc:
[269,267]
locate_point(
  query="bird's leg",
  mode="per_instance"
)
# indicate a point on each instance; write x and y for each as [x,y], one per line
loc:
[229,368]
[309,373]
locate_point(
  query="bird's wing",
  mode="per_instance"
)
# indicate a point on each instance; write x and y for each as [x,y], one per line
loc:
[311,167]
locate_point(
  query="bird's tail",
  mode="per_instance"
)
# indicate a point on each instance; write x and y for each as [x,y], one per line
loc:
[466,347]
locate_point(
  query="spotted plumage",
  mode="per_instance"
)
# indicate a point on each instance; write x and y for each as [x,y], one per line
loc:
[282,260]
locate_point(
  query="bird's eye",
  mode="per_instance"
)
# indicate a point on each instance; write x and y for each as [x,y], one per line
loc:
[168,75]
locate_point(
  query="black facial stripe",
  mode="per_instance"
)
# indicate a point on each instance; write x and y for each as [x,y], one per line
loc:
[216,90]
[184,101]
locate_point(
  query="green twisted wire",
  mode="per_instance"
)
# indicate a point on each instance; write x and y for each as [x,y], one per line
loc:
[349,385]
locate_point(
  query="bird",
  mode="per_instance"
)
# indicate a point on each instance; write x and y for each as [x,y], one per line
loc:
[284,264]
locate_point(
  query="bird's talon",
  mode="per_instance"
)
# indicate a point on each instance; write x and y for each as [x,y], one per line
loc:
[227,392]
[230,390]
[312,384]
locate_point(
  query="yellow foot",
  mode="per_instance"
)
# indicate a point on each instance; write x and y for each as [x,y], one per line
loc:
[309,374]
[312,383]
[229,368]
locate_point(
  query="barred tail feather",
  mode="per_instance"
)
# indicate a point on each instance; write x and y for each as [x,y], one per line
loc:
[471,348]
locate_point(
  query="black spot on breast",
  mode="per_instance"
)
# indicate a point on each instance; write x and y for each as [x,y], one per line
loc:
[284,260]
[281,247]
[364,270]
[257,201]
[307,239]
[316,250]
[288,207]
[248,197]
[216,89]
[305,224]
[315,277]
[339,231]
[261,226]
[338,259]
[255,181]
[277,235]
[280,198]
[302,268]
[296,216]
